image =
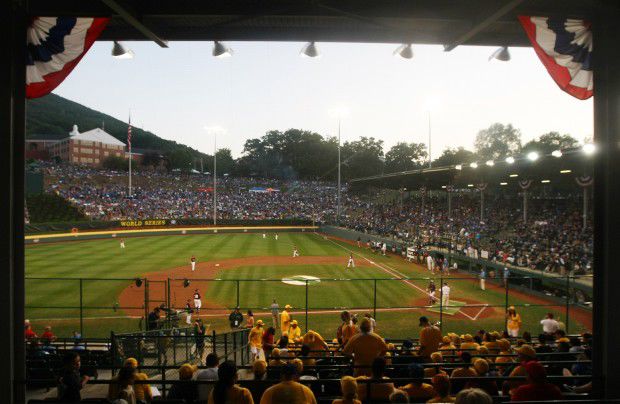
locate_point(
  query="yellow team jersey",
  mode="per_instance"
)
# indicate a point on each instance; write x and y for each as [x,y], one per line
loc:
[293,334]
[514,322]
[256,337]
[285,321]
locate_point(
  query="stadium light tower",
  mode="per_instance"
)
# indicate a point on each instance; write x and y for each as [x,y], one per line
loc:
[214,130]
[339,113]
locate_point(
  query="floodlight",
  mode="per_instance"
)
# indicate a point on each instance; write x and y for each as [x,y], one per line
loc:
[470,185]
[310,50]
[220,50]
[566,171]
[589,148]
[513,175]
[502,54]
[510,160]
[532,156]
[503,183]
[556,153]
[545,181]
[474,165]
[490,163]
[120,52]
[404,51]
[458,166]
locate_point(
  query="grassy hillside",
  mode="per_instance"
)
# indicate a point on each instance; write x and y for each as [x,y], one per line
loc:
[54,115]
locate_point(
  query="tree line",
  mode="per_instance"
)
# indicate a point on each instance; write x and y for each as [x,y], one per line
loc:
[301,154]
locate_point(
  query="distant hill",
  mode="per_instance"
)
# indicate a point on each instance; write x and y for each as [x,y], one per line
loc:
[54,116]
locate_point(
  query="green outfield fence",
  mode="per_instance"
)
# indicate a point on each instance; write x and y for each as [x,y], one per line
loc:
[94,315]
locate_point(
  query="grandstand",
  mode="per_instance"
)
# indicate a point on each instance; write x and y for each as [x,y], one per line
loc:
[548,250]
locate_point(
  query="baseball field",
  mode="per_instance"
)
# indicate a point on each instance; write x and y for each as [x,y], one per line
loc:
[89,285]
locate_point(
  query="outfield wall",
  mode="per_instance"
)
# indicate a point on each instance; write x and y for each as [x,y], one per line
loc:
[167,231]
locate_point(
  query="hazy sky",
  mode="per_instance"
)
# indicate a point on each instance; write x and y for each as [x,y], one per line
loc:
[176,92]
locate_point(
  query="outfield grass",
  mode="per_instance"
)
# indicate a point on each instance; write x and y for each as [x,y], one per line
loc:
[57,302]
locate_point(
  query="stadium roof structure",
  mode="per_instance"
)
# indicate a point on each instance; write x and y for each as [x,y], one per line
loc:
[563,172]
[447,22]
[98,135]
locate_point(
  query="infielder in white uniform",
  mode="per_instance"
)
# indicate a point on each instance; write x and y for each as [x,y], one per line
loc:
[445,294]
[276,236]
[122,243]
[295,251]
[193,262]
[383,249]
[197,301]
[351,263]
[264,235]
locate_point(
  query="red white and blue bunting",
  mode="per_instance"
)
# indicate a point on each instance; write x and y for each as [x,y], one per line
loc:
[525,184]
[564,46]
[55,45]
[482,186]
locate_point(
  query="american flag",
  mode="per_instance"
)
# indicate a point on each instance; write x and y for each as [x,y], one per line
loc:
[129,134]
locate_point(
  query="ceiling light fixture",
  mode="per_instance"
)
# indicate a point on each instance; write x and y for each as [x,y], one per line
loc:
[310,50]
[404,51]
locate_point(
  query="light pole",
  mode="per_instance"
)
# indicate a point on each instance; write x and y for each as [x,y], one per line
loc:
[338,193]
[339,113]
[215,179]
[214,130]
[430,159]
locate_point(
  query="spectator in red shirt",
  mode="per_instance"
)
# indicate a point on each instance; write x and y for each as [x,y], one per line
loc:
[267,341]
[48,336]
[537,387]
[28,333]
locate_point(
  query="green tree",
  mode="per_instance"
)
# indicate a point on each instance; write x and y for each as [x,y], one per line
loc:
[225,161]
[549,142]
[180,159]
[497,142]
[116,163]
[362,157]
[453,156]
[405,156]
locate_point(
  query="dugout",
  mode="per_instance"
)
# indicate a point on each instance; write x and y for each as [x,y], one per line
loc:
[453,23]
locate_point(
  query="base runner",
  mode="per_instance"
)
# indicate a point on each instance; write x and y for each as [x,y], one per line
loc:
[197,301]
[193,262]
[351,263]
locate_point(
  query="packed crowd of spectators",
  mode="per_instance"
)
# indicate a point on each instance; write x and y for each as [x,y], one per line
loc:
[433,368]
[552,239]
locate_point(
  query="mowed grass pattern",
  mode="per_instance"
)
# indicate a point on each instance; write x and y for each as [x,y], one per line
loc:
[56,301]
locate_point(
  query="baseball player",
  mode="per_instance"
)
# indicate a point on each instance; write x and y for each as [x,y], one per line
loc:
[264,235]
[295,251]
[276,237]
[430,263]
[193,262]
[122,243]
[188,311]
[445,294]
[359,242]
[483,277]
[383,249]
[197,301]
[432,291]
[351,263]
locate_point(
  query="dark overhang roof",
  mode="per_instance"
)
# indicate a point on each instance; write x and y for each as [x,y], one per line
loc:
[491,22]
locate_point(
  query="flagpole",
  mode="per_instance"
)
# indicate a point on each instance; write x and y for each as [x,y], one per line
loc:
[215,180]
[129,141]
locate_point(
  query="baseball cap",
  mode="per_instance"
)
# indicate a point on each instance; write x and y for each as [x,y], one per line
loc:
[294,322]
[259,322]
[288,306]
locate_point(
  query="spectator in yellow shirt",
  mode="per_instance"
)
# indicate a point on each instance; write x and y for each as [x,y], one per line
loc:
[226,390]
[417,390]
[347,329]
[255,339]
[316,343]
[513,323]
[348,386]
[364,347]
[294,333]
[430,338]
[285,319]
[288,390]
[441,385]
[379,390]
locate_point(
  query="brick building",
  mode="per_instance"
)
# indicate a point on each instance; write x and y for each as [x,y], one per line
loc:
[87,148]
